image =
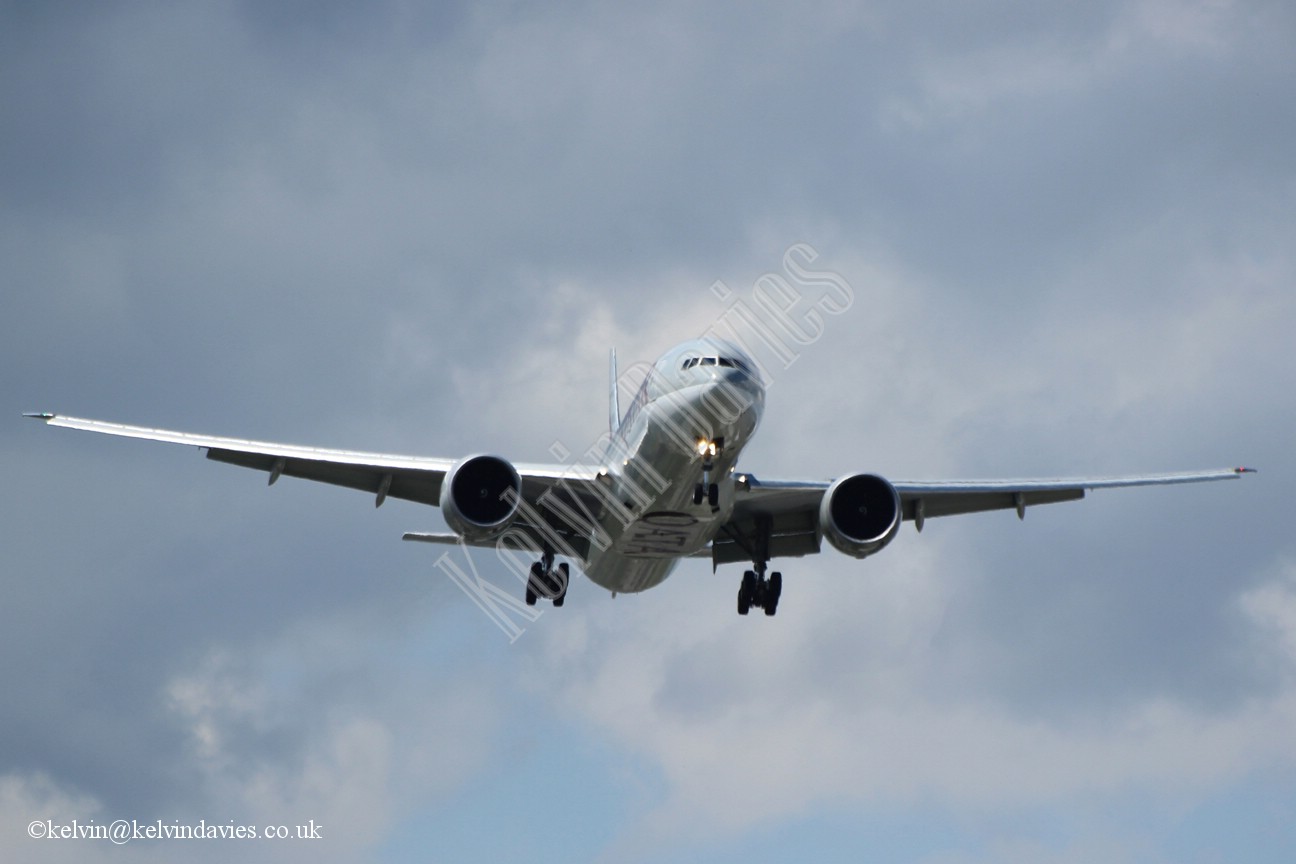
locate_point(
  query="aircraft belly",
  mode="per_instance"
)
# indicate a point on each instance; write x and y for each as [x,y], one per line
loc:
[622,575]
[664,534]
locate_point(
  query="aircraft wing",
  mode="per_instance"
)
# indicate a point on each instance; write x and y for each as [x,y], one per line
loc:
[412,478]
[792,507]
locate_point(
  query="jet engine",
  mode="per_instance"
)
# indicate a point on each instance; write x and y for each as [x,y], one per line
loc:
[480,497]
[859,514]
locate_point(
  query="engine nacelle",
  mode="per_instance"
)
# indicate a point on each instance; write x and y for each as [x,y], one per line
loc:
[859,514]
[475,497]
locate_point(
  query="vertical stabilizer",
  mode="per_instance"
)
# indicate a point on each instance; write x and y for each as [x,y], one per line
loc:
[614,410]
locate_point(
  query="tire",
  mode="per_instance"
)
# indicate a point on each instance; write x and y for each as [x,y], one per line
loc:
[772,592]
[564,579]
[536,586]
[746,592]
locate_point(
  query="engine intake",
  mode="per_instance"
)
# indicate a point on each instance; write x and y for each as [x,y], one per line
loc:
[859,514]
[475,497]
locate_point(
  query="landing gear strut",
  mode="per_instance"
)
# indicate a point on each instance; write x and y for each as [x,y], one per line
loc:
[548,581]
[755,589]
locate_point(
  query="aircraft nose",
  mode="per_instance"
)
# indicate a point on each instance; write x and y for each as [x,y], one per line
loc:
[737,390]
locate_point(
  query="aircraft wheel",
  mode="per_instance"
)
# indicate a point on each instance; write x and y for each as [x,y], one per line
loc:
[772,592]
[564,579]
[746,590]
[699,491]
[713,495]
[535,584]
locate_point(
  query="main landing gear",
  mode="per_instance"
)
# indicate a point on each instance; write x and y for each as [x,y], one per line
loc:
[760,592]
[756,589]
[548,581]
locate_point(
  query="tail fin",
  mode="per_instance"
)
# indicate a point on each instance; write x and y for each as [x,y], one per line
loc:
[614,410]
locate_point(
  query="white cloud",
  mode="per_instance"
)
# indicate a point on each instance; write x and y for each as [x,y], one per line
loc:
[842,705]
[1202,27]
[276,739]
[27,798]
[1271,606]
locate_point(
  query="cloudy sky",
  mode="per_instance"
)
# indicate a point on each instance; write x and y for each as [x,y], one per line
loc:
[418,228]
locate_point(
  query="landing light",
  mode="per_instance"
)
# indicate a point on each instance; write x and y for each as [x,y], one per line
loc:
[705,447]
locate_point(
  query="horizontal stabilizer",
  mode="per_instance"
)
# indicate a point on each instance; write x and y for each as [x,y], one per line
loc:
[614,407]
[445,538]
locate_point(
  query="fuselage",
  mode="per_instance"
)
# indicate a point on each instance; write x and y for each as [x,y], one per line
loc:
[695,411]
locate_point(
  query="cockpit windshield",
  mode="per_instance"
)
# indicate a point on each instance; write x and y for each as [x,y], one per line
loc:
[728,362]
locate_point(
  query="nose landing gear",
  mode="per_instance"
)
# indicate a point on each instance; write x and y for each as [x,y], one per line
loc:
[708,449]
[709,491]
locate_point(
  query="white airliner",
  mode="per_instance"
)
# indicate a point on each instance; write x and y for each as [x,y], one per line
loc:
[667,487]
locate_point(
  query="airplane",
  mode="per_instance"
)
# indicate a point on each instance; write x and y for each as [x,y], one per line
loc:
[665,486]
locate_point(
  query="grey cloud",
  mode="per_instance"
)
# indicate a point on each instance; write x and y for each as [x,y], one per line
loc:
[389,228]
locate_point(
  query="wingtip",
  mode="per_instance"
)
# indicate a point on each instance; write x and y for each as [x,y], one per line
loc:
[40,415]
[1243,470]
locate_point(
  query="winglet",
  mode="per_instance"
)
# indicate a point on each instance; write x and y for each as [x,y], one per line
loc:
[614,410]
[1244,471]
[41,415]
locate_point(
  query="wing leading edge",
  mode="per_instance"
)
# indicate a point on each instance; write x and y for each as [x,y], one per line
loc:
[949,498]
[411,478]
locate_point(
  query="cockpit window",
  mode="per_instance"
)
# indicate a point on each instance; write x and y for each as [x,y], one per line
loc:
[727,362]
